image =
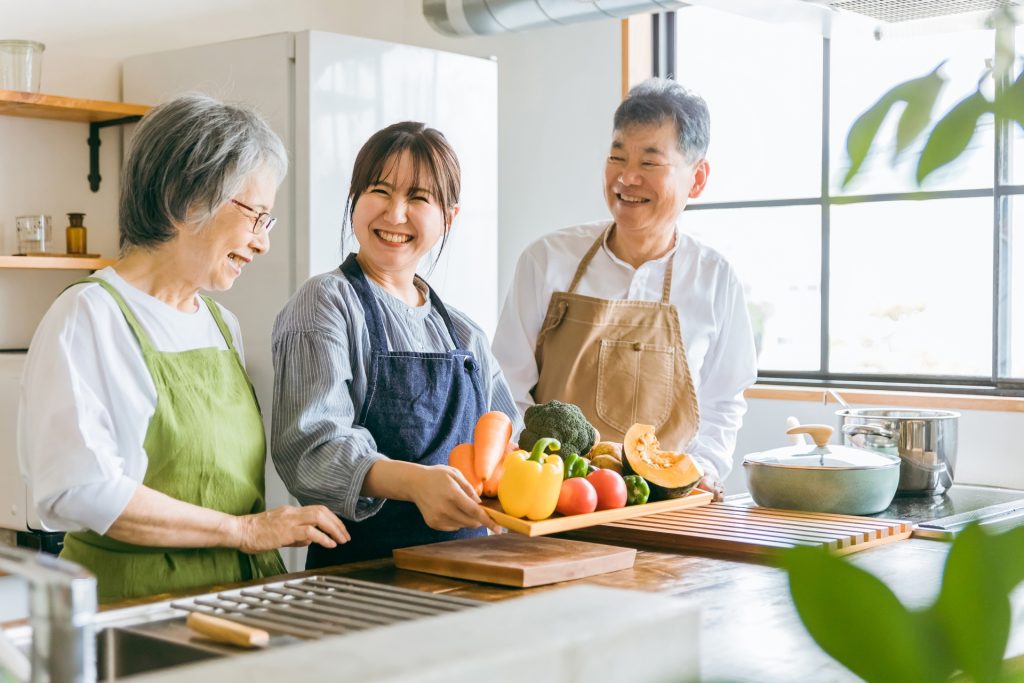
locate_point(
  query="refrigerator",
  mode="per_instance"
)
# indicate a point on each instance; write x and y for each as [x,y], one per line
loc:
[325,94]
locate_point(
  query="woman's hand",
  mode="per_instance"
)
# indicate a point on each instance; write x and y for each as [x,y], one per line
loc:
[289,526]
[448,502]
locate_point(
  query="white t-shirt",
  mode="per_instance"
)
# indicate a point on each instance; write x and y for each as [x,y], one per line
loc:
[87,398]
[712,314]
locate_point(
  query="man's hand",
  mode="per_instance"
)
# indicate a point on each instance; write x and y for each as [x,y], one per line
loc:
[713,485]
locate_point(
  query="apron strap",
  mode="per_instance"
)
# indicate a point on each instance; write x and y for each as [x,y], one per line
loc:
[351,269]
[666,286]
[585,261]
[126,311]
[435,301]
[378,337]
[219,319]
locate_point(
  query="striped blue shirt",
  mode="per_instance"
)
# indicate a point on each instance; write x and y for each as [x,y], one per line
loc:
[321,348]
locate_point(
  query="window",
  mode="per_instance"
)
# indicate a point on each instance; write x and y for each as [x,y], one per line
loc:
[879,282]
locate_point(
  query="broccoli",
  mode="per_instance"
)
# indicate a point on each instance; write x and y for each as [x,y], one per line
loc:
[562,421]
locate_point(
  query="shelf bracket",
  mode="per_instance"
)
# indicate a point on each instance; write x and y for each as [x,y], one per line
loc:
[94,147]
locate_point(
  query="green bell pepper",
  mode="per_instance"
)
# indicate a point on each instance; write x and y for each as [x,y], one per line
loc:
[575,465]
[637,490]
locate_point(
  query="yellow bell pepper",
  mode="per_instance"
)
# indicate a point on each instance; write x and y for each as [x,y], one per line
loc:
[532,481]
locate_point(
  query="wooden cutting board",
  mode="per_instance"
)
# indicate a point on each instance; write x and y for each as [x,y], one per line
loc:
[515,560]
[737,529]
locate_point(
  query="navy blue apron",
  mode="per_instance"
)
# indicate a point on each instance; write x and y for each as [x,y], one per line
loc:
[418,407]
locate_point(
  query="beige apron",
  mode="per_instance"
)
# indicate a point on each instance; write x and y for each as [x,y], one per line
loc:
[620,361]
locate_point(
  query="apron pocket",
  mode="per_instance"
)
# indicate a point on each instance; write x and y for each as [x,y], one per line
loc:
[634,383]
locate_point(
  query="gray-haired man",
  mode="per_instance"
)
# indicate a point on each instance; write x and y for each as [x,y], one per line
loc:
[632,319]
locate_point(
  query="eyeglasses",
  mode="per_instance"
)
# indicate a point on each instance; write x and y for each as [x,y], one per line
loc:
[263,222]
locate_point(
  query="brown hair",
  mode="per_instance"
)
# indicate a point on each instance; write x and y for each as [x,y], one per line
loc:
[430,152]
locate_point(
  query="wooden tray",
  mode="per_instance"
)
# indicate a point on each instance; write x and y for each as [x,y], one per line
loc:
[738,529]
[514,560]
[558,523]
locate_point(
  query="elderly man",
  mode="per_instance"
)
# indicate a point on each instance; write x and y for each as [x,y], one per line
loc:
[631,319]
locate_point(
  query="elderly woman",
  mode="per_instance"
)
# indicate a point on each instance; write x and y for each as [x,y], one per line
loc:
[138,427]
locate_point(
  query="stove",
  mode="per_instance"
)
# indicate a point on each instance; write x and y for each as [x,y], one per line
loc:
[943,516]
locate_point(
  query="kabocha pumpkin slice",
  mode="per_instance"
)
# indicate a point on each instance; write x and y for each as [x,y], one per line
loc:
[670,474]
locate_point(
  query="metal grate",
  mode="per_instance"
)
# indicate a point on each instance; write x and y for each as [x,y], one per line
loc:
[323,605]
[896,11]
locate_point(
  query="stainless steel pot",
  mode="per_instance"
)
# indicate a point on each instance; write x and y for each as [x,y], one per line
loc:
[838,479]
[924,440]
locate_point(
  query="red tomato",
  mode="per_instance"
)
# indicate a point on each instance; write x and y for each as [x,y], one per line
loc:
[610,487]
[576,497]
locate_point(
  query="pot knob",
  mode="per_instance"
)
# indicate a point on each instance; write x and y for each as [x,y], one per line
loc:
[820,434]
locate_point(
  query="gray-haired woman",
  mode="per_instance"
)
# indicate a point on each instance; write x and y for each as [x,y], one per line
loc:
[138,428]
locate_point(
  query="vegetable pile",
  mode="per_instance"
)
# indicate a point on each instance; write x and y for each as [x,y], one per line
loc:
[562,466]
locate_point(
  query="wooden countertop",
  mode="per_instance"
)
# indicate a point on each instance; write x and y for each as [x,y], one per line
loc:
[750,629]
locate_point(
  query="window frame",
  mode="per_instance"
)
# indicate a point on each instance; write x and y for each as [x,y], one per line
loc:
[999,383]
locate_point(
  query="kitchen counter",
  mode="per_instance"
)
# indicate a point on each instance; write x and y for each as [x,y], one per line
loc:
[749,628]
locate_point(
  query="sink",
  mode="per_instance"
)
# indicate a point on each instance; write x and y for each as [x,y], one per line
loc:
[154,636]
[122,652]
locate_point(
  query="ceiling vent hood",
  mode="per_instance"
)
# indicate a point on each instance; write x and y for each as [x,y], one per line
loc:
[880,18]
[483,17]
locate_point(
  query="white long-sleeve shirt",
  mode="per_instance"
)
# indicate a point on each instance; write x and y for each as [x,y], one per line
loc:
[87,398]
[712,312]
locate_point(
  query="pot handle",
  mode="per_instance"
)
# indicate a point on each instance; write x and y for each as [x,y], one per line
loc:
[820,434]
[869,428]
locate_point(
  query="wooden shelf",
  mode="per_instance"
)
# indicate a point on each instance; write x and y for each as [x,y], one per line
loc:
[39,106]
[56,262]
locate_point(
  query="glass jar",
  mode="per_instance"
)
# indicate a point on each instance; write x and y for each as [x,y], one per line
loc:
[35,234]
[76,235]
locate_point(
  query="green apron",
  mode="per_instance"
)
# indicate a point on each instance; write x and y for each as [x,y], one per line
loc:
[206,446]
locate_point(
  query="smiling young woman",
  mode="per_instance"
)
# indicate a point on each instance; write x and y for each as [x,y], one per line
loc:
[376,380]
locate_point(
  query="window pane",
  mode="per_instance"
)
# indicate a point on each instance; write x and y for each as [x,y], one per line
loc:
[776,253]
[1017,134]
[863,70]
[911,288]
[762,83]
[1016,275]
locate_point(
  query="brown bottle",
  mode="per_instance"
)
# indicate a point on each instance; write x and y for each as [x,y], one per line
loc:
[76,234]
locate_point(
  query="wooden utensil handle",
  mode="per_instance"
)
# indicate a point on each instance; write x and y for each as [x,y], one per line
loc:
[227,631]
[820,434]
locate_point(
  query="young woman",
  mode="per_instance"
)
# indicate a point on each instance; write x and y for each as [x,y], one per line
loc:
[375,379]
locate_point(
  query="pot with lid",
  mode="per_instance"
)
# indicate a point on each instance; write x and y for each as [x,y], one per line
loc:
[924,440]
[825,478]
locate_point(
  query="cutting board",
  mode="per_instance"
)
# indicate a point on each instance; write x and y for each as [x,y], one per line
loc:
[738,529]
[514,560]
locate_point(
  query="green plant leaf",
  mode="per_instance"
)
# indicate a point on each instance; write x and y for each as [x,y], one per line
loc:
[973,606]
[1010,103]
[862,134]
[920,95]
[858,620]
[951,135]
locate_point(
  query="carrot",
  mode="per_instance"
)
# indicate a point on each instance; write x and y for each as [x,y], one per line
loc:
[490,440]
[461,458]
[491,485]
